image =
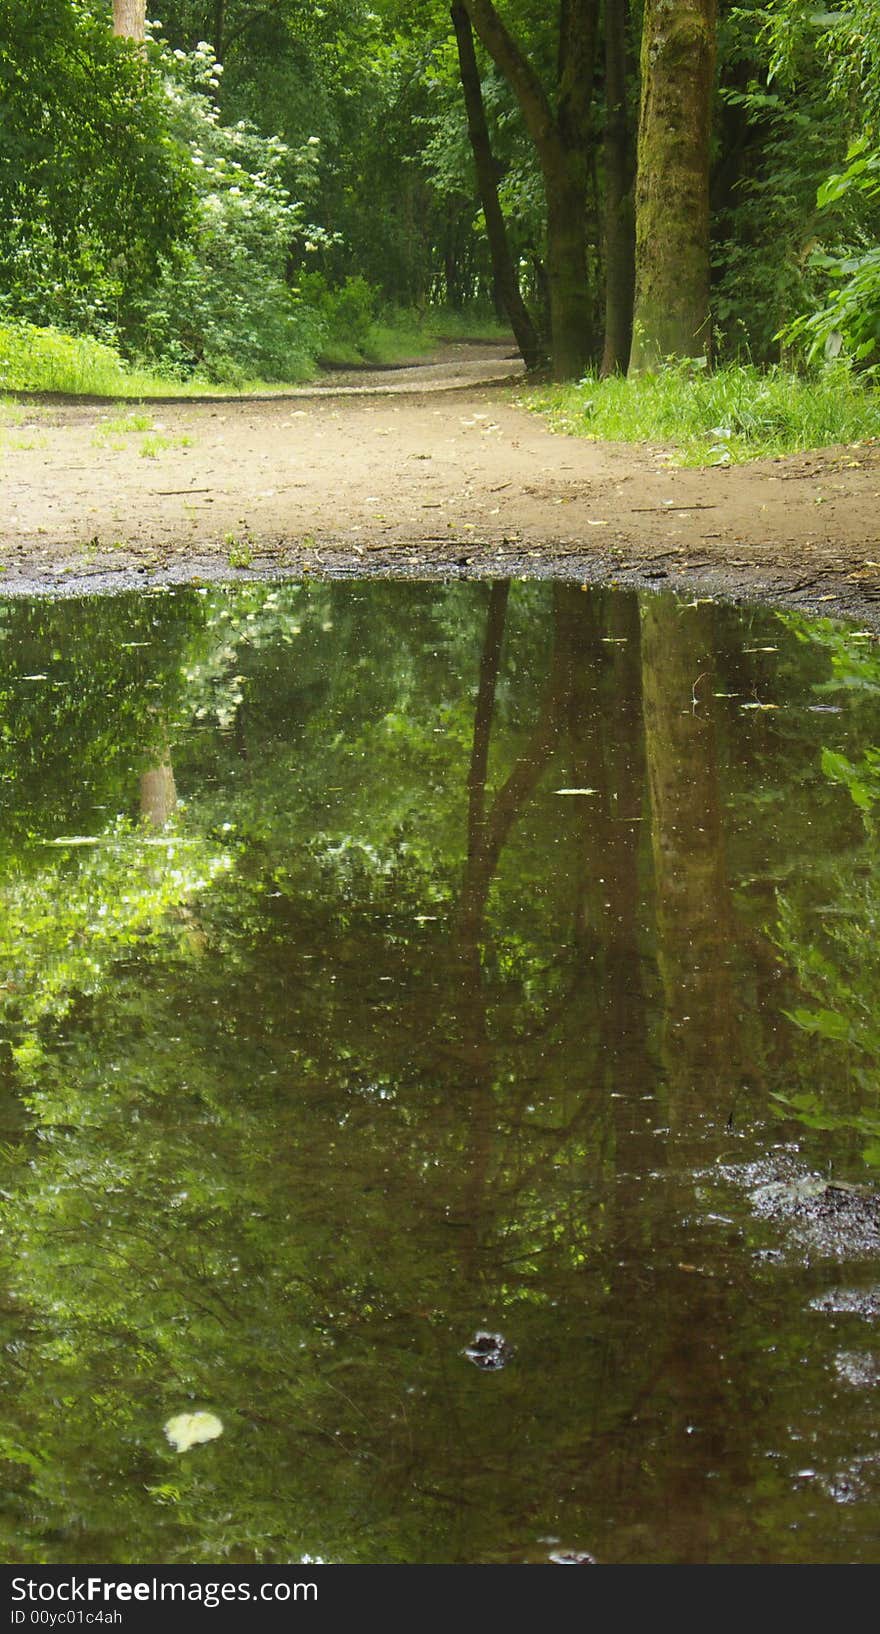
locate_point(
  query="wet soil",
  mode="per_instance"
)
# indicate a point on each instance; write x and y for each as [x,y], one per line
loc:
[431,470]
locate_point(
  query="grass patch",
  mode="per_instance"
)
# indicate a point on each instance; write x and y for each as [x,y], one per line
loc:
[401,333]
[153,446]
[736,413]
[125,423]
[46,360]
[12,413]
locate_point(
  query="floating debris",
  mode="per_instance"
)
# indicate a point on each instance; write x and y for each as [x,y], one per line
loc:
[188,1429]
[489,1351]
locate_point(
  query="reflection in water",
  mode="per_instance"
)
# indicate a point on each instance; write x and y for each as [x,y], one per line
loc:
[401,1080]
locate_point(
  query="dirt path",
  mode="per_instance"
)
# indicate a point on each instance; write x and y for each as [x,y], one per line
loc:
[421,472]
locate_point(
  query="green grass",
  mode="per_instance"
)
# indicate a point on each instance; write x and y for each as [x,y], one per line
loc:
[46,360]
[11,413]
[129,423]
[402,333]
[736,413]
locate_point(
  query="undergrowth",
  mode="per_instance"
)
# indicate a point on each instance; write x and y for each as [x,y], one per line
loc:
[47,360]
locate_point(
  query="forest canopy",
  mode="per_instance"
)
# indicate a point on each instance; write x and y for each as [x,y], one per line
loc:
[233,190]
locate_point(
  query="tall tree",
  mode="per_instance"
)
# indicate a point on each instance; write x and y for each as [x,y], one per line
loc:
[619,237]
[128,18]
[503,269]
[560,131]
[671,315]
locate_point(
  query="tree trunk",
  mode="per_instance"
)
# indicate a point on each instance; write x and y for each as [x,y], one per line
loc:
[561,138]
[619,225]
[672,191]
[158,794]
[504,273]
[219,28]
[571,314]
[128,18]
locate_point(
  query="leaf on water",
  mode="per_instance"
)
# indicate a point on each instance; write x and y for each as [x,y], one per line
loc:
[188,1429]
[575,791]
[75,839]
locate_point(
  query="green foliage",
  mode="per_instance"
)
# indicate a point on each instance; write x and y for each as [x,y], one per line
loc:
[833,947]
[796,247]
[93,185]
[738,412]
[849,321]
[780,129]
[346,312]
[33,359]
[48,360]
[222,305]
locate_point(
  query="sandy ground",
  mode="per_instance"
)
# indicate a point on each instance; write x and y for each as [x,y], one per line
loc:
[428,471]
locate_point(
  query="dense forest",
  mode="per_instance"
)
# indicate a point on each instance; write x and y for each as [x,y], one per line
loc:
[234,190]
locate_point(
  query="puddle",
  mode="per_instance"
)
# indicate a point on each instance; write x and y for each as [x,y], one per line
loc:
[440,1068]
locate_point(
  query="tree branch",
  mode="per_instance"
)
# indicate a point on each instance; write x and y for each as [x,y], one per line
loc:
[509,57]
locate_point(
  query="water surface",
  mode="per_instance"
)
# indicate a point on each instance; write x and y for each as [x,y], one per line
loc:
[431,1018]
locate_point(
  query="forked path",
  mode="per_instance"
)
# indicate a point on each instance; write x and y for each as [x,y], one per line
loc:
[426,471]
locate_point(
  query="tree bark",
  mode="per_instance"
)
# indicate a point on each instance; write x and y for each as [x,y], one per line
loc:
[158,794]
[671,316]
[504,272]
[619,224]
[128,18]
[561,137]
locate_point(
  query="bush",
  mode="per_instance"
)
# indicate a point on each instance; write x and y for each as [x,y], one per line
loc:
[93,187]
[346,313]
[222,304]
[848,322]
[35,359]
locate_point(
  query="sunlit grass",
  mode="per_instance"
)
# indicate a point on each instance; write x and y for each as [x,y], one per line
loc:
[153,446]
[46,360]
[124,423]
[11,413]
[723,417]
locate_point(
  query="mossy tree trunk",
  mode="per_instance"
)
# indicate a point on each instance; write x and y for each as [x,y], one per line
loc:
[128,18]
[504,272]
[619,219]
[671,316]
[561,135]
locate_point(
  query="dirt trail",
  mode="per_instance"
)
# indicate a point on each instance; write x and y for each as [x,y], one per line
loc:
[423,471]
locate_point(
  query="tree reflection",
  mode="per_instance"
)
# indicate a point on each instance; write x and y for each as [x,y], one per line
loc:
[412,1075]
